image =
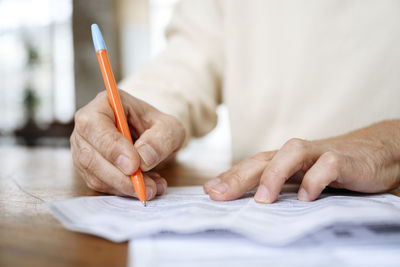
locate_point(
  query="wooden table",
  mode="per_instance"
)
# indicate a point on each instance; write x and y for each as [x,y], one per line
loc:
[30,236]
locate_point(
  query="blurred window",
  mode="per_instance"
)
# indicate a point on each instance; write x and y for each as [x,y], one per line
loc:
[160,14]
[36,56]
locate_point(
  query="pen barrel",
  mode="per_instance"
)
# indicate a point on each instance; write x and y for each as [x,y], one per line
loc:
[138,184]
[113,95]
[120,118]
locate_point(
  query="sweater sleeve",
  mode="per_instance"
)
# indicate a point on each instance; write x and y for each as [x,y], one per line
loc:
[185,79]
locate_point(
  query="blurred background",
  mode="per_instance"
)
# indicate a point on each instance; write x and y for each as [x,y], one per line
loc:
[48,68]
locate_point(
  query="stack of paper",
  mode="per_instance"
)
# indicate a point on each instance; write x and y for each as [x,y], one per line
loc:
[340,245]
[189,210]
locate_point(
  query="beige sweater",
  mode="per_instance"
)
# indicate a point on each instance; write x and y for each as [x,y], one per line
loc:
[284,68]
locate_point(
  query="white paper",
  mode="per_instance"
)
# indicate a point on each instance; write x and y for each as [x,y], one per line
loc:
[189,210]
[338,245]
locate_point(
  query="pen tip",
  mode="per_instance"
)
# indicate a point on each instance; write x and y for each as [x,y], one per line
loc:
[144,203]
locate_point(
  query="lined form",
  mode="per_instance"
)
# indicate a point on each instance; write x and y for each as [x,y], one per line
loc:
[189,210]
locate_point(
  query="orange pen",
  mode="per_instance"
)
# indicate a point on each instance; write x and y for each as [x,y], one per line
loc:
[115,103]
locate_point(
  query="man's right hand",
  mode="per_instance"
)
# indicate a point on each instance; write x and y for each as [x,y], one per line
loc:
[104,158]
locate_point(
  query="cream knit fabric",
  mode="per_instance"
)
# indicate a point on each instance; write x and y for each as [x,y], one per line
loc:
[284,68]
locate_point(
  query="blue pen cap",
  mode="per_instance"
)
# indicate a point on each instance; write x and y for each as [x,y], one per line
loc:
[97,38]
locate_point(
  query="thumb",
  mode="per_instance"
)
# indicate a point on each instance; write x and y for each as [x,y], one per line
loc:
[162,139]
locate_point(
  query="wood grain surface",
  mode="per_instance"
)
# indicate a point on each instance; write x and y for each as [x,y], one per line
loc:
[30,236]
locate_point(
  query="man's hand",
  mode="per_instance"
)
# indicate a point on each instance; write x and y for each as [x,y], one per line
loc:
[104,158]
[367,160]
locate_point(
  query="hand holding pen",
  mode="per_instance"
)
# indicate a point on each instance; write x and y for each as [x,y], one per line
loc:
[104,157]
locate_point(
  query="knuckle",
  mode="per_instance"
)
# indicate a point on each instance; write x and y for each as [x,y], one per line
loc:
[102,94]
[85,157]
[224,175]
[82,120]
[108,141]
[296,144]
[72,139]
[236,178]
[274,172]
[96,184]
[110,137]
[235,168]
[331,159]
[261,156]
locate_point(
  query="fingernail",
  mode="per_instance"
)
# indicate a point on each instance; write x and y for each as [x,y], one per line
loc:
[124,164]
[148,154]
[262,194]
[220,188]
[302,195]
[149,192]
[161,188]
[213,182]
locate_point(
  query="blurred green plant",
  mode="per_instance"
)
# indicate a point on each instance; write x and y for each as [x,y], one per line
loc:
[31,103]
[31,98]
[33,55]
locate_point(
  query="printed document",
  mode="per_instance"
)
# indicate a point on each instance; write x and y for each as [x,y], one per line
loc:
[188,210]
[337,245]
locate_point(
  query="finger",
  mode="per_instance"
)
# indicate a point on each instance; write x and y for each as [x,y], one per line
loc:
[95,166]
[244,168]
[161,183]
[326,170]
[92,181]
[294,156]
[157,143]
[95,183]
[239,179]
[96,124]
[151,187]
